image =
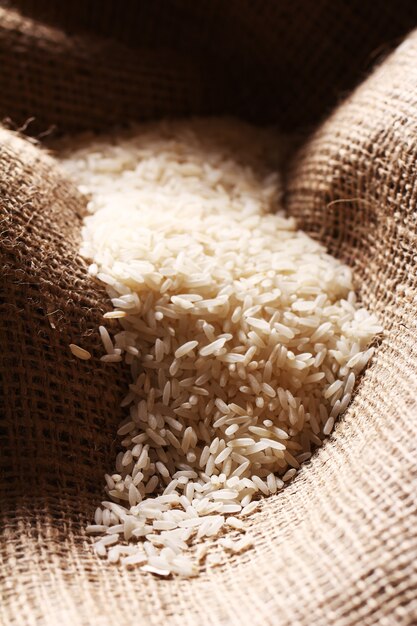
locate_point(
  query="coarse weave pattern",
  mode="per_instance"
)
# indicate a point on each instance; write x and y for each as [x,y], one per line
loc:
[339,544]
[86,64]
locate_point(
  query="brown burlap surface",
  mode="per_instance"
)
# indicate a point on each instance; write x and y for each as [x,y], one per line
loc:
[339,544]
[283,61]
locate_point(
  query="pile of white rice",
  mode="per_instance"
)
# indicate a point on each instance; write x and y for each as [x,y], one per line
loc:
[244,338]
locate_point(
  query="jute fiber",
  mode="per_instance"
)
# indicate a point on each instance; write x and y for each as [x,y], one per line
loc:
[85,64]
[339,544]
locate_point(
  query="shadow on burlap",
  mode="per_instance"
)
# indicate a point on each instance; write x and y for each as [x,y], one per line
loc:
[339,544]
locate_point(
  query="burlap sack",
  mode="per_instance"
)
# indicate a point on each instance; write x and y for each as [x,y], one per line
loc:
[285,61]
[339,544]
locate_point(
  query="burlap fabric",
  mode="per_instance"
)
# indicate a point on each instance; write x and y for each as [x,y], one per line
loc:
[285,61]
[339,544]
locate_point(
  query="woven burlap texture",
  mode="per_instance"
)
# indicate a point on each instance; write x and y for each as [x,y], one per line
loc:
[339,544]
[284,62]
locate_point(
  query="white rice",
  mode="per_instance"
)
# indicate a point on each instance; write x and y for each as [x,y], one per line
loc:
[79,352]
[243,337]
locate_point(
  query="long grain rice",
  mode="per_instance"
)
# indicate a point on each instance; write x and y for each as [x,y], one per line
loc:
[244,339]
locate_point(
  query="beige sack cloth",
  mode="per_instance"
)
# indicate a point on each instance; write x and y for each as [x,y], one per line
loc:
[339,544]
